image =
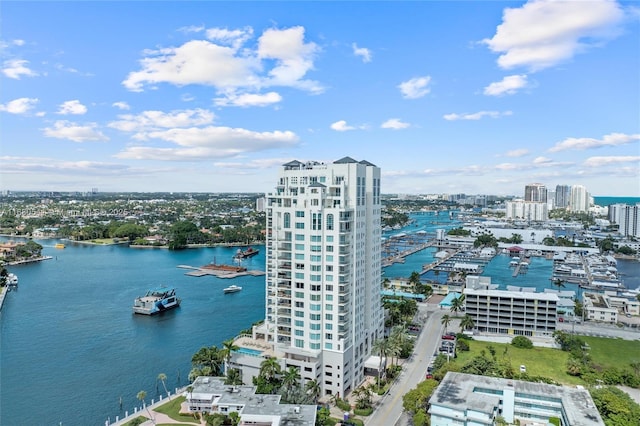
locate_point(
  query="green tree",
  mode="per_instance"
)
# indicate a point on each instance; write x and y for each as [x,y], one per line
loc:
[163,379]
[457,304]
[445,320]
[228,348]
[4,274]
[141,396]
[416,401]
[467,322]
[290,380]
[233,377]
[208,357]
[615,406]
[522,342]
[131,231]
[312,388]
[381,348]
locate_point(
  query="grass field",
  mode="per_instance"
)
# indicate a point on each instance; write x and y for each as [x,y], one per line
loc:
[551,363]
[613,352]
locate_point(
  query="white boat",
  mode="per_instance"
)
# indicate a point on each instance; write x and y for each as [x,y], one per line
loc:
[232,289]
[156,301]
[12,279]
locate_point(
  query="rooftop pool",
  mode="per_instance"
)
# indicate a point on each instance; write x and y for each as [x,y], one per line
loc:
[249,351]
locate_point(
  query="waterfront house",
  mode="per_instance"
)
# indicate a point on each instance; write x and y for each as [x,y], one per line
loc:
[211,395]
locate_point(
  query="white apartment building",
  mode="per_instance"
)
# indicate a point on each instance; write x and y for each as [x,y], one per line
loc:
[578,199]
[471,400]
[527,210]
[511,312]
[323,248]
[627,217]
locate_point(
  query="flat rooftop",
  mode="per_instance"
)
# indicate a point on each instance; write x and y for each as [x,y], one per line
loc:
[461,392]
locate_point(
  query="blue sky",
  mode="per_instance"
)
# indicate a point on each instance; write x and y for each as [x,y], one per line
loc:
[446,97]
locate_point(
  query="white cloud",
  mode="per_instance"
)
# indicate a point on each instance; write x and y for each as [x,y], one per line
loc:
[234,38]
[612,139]
[19,106]
[294,58]
[15,68]
[476,115]
[281,58]
[341,126]
[509,85]
[249,99]
[363,52]
[542,161]
[415,88]
[543,33]
[72,107]
[394,123]
[262,163]
[604,161]
[78,133]
[149,121]
[121,105]
[517,152]
[209,142]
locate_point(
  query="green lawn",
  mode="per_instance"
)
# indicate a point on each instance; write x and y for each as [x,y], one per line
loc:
[613,352]
[545,362]
[172,409]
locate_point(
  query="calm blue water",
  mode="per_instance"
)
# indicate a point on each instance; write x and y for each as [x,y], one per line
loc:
[605,201]
[70,346]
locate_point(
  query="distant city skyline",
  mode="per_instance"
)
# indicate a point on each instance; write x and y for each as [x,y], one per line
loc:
[445,97]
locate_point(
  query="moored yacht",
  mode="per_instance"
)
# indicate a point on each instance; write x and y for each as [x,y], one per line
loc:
[232,289]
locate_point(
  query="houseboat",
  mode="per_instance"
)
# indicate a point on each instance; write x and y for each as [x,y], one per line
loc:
[156,301]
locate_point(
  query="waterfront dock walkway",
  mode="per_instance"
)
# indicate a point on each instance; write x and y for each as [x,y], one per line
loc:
[201,272]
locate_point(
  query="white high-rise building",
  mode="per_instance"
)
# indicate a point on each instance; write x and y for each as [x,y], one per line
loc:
[526,210]
[627,217]
[323,248]
[578,199]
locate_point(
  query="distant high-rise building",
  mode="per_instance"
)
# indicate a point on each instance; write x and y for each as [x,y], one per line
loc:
[526,210]
[563,193]
[323,248]
[627,217]
[578,199]
[535,192]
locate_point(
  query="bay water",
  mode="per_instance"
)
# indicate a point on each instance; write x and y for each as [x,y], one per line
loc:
[70,346]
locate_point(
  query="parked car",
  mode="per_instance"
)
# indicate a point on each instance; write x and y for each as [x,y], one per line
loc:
[448,337]
[523,368]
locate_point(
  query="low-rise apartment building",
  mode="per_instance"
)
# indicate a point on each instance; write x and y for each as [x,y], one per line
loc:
[466,399]
[512,312]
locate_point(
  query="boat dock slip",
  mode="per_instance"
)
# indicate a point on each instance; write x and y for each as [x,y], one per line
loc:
[398,247]
[201,272]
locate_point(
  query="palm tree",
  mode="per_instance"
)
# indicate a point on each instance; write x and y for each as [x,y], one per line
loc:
[398,337]
[163,378]
[457,304]
[312,388]
[233,377]
[141,396]
[386,283]
[208,357]
[270,368]
[227,350]
[290,379]
[445,320]
[467,322]
[380,347]
[559,283]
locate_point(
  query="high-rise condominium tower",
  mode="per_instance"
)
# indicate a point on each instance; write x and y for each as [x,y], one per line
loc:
[323,309]
[535,192]
[579,199]
[563,193]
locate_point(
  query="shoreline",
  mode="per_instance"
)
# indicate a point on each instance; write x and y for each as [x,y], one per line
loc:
[25,261]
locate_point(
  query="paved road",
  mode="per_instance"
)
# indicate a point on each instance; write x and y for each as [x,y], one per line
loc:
[390,410]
